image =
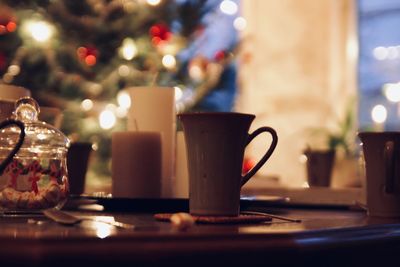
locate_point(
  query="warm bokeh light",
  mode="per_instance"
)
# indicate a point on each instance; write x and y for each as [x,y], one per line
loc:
[14,70]
[392,92]
[240,23]
[39,30]
[107,119]
[124,99]
[124,70]
[196,73]
[169,61]
[379,114]
[178,93]
[228,7]
[87,104]
[153,2]
[102,229]
[128,49]
[121,112]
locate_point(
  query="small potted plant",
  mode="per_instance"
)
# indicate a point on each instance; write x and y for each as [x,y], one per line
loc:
[334,147]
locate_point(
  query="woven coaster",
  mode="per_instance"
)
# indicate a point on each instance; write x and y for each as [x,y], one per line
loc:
[242,218]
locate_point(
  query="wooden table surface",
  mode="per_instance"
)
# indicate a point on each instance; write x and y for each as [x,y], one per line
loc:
[324,237]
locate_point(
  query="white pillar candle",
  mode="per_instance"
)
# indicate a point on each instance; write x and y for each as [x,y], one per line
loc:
[153,109]
[136,164]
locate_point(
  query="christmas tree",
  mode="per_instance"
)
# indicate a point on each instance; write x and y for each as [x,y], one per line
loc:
[79,56]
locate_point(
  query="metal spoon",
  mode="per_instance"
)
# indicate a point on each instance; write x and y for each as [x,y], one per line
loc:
[68,219]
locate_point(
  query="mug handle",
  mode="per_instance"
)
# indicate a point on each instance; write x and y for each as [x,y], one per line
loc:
[267,154]
[21,138]
[389,166]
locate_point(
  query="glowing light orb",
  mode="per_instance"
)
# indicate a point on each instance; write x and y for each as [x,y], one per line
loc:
[380,53]
[124,99]
[40,31]
[169,61]
[228,7]
[107,119]
[124,70]
[240,23]
[379,114]
[178,93]
[392,92]
[153,2]
[128,49]
[87,104]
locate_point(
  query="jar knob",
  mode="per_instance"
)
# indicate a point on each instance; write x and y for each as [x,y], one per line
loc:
[26,109]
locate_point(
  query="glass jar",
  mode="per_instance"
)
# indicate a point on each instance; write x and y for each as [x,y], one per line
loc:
[36,177]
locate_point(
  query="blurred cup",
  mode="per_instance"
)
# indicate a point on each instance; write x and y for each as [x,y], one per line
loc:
[77,164]
[12,92]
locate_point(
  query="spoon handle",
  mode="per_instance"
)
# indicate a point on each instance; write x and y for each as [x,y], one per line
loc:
[272,216]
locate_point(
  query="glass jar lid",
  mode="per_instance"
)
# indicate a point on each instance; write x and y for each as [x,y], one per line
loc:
[41,139]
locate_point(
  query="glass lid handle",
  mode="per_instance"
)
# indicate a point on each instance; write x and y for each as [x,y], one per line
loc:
[26,109]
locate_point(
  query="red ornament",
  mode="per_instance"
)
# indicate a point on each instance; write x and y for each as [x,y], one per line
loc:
[159,32]
[248,164]
[87,54]
[7,20]
[220,55]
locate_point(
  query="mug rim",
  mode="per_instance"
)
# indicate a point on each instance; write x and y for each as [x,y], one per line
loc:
[214,113]
[378,133]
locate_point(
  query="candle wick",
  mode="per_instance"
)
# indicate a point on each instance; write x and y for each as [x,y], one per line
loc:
[136,125]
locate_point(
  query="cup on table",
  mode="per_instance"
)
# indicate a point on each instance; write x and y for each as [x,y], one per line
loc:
[215,149]
[382,160]
[12,92]
[77,164]
[136,164]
